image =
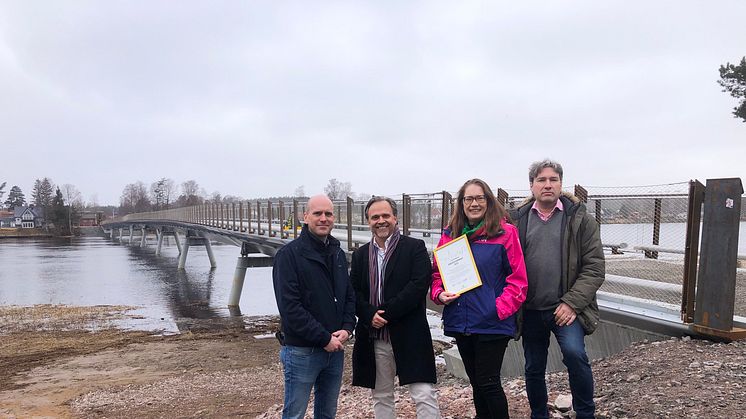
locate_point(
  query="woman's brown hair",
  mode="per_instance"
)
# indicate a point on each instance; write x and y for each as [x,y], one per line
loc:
[493,216]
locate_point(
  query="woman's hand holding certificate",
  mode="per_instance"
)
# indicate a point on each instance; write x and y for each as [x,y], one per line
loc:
[457,267]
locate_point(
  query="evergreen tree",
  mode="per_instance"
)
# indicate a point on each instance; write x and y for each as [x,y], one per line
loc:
[733,81]
[15,198]
[2,190]
[43,192]
[60,213]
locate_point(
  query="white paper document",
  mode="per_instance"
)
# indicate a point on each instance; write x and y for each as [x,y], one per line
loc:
[457,267]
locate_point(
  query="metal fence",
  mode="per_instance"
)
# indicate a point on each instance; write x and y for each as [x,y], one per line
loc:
[643,229]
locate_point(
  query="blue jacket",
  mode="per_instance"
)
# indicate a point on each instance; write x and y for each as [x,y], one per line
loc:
[490,308]
[313,290]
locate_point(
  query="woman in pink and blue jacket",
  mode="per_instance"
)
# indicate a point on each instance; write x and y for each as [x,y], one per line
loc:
[482,320]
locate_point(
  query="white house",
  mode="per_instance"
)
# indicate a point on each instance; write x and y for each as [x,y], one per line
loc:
[29,217]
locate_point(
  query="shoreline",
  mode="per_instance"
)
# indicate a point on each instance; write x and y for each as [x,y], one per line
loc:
[57,367]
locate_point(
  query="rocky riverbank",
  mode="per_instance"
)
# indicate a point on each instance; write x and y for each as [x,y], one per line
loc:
[53,365]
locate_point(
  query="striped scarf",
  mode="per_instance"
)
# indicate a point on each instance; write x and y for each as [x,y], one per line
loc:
[376,280]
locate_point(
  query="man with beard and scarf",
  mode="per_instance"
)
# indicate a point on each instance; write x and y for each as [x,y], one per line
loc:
[391,277]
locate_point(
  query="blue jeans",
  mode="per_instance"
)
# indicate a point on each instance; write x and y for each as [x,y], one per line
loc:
[537,324]
[305,368]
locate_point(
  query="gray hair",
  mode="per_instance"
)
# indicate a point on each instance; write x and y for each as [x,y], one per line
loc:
[375,199]
[538,166]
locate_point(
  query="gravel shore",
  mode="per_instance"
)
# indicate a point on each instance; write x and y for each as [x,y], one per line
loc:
[224,370]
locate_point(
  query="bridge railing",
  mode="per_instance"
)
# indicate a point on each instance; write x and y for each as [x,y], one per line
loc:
[645,230]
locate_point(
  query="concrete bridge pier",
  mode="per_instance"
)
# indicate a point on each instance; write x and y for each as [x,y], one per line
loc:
[131,234]
[142,237]
[159,241]
[239,274]
[178,243]
[161,233]
[121,234]
[192,239]
[183,255]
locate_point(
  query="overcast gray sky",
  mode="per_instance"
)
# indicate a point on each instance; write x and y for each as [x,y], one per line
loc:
[257,98]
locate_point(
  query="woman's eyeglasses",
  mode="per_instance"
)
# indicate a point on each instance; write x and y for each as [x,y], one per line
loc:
[479,198]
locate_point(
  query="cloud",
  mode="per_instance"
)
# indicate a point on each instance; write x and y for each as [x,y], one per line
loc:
[254,99]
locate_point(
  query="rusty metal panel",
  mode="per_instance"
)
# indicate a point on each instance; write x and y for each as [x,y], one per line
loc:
[502,196]
[716,282]
[691,255]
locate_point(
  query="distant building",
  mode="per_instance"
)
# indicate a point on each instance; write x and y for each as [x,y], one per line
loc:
[7,220]
[91,218]
[28,217]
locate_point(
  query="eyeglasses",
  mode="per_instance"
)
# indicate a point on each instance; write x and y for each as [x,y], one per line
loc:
[479,198]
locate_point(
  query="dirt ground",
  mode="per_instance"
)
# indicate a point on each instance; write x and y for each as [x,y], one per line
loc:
[53,366]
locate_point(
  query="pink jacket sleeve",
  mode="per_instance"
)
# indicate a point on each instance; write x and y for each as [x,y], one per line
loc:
[436,287]
[516,284]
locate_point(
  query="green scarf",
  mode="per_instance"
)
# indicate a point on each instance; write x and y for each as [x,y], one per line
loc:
[470,230]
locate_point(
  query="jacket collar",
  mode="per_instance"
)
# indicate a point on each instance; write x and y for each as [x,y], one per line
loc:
[570,203]
[314,248]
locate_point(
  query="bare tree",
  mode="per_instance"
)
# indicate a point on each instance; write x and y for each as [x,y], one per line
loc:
[72,195]
[338,190]
[191,194]
[93,202]
[300,191]
[190,187]
[231,199]
[134,198]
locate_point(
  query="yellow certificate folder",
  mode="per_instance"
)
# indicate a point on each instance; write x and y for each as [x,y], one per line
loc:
[457,267]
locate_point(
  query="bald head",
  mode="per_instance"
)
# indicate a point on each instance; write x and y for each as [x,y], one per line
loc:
[319,215]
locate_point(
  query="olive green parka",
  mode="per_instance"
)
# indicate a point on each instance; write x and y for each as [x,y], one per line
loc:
[583,267]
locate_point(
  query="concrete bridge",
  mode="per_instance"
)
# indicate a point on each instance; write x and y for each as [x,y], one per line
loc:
[639,303]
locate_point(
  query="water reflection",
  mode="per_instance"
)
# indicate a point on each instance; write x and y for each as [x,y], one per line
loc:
[93,271]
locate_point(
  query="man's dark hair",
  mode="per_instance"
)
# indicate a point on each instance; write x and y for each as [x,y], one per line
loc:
[537,166]
[375,199]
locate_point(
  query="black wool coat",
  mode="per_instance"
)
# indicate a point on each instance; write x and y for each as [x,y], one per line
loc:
[406,283]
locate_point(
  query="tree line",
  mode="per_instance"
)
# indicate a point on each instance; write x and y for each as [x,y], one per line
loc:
[42,194]
[164,193]
[62,204]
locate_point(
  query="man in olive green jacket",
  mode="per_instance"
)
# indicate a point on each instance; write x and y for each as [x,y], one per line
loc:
[565,265]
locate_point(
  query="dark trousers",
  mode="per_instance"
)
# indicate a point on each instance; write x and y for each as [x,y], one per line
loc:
[483,358]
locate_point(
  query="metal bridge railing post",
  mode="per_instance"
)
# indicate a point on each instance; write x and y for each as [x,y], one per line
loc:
[502,197]
[272,233]
[295,219]
[445,212]
[240,217]
[406,218]
[656,225]
[259,218]
[581,193]
[349,224]
[249,229]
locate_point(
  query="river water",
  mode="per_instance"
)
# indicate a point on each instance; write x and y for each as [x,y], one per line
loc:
[90,270]
[97,271]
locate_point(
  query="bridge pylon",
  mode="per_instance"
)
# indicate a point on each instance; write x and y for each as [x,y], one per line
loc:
[192,239]
[239,275]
